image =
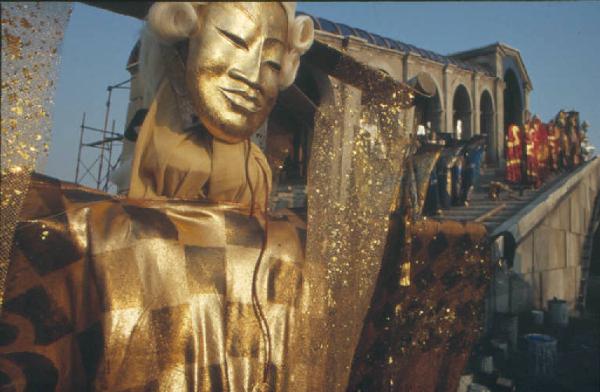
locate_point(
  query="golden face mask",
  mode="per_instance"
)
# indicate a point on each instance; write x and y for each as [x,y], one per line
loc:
[233,66]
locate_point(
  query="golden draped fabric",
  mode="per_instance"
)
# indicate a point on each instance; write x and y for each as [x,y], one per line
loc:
[117,294]
[174,159]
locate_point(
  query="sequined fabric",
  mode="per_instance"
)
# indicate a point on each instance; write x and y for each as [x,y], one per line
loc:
[357,161]
[121,294]
[29,72]
[419,337]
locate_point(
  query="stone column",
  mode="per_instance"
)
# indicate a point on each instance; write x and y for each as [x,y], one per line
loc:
[405,63]
[475,115]
[526,91]
[497,150]
[446,121]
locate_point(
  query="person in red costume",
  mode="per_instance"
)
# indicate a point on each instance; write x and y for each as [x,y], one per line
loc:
[531,160]
[573,134]
[513,154]
[553,146]
[565,143]
[537,136]
[543,150]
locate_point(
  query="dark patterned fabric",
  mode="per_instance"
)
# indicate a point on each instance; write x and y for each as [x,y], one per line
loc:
[418,338]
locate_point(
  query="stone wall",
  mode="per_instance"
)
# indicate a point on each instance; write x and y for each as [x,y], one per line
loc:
[550,234]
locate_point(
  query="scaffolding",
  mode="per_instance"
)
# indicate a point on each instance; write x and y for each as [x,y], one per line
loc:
[101,167]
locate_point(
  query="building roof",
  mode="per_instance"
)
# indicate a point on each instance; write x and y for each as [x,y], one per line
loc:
[501,47]
[344,30]
[139,9]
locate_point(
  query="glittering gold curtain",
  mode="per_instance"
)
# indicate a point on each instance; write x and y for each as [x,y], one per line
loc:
[31,38]
[358,153]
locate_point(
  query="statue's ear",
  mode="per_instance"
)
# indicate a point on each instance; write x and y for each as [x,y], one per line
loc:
[302,35]
[173,22]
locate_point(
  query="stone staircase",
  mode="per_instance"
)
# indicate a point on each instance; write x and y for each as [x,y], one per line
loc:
[492,213]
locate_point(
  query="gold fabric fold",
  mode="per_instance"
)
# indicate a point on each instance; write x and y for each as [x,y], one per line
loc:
[172,161]
[117,294]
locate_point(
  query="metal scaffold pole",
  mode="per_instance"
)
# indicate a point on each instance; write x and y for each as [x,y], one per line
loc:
[79,150]
[105,144]
[109,167]
[102,147]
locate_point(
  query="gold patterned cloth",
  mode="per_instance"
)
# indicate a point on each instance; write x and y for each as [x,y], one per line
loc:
[116,294]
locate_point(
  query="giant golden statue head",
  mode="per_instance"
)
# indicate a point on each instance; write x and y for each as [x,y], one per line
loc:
[236,55]
[211,73]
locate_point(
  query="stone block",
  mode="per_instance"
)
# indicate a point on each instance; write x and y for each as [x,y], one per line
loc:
[574,244]
[578,212]
[549,248]
[559,218]
[523,262]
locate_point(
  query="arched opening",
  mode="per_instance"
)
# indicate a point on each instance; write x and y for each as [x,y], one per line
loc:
[428,111]
[289,136]
[461,119]
[486,117]
[513,105]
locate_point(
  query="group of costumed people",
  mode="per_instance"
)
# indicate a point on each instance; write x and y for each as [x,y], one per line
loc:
[452,168]
[537,149]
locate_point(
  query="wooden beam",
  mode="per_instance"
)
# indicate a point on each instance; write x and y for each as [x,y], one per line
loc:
[135,9]
[490,213]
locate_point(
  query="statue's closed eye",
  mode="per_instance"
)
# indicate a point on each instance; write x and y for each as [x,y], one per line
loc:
[236,40]
[276,66]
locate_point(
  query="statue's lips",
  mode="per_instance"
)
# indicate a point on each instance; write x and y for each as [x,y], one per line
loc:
[242,99]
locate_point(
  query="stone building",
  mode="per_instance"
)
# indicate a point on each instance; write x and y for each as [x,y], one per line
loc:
[485,88]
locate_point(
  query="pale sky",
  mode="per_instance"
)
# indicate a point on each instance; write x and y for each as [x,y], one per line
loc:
[557,40]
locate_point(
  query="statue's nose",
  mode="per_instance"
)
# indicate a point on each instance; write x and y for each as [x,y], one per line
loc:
[248,67]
